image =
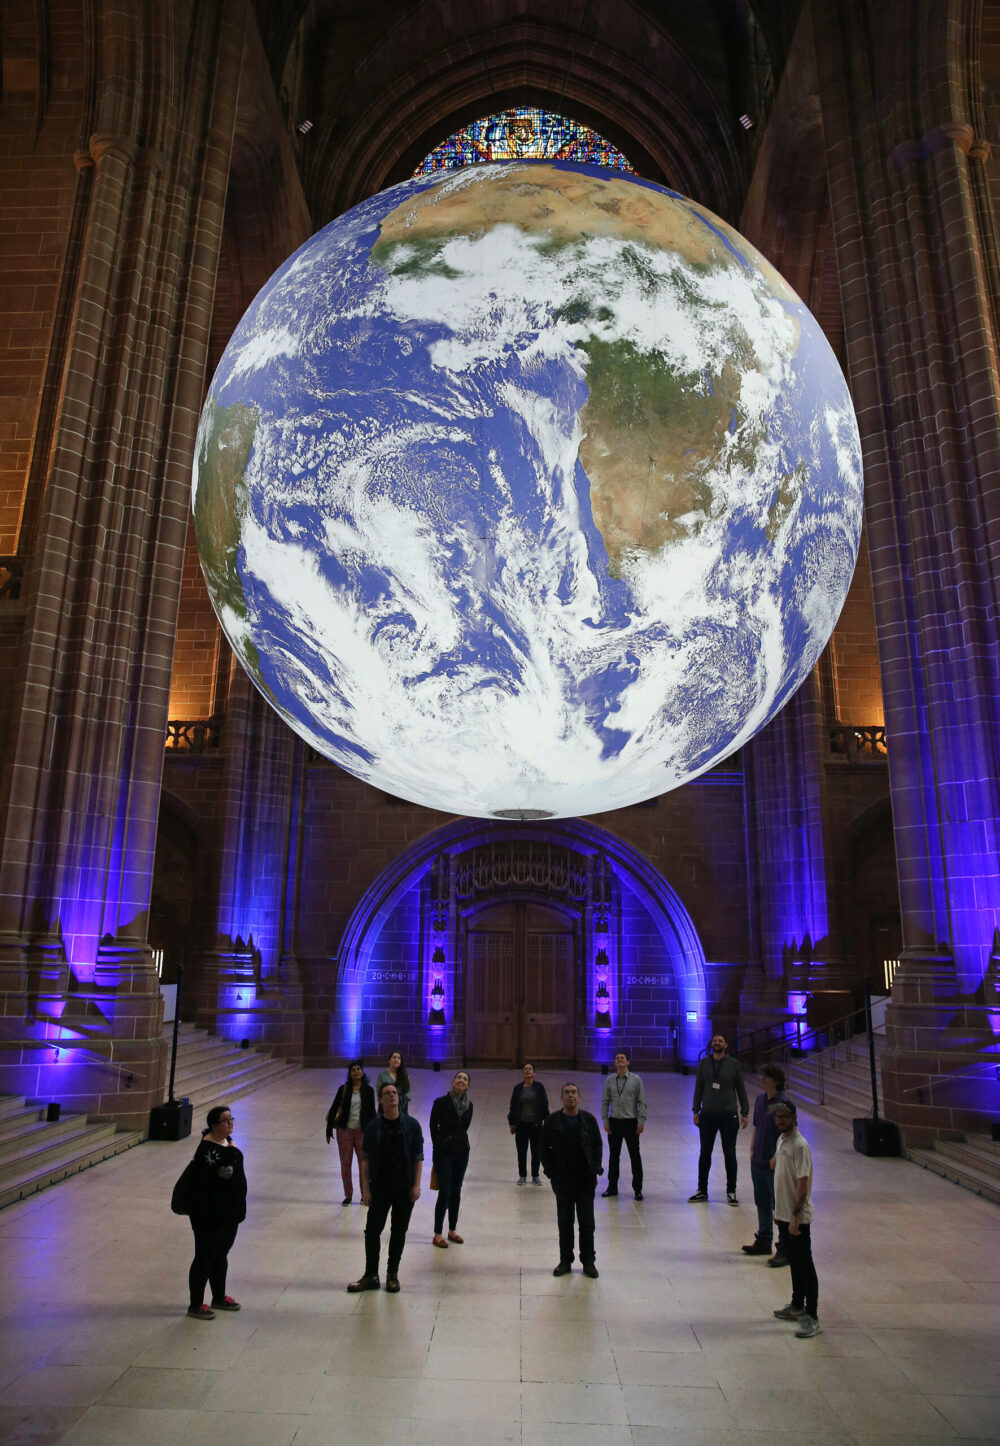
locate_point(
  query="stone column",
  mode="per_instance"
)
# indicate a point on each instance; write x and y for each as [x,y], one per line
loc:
[248,984]
[80,786]
[783,771]
[916,247]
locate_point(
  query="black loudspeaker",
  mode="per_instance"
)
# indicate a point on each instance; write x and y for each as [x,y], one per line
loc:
[52,1112]
[995,1130]
[876,1137]
[171,1121]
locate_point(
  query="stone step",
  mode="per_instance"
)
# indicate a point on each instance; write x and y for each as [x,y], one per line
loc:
[225,1089]
[238,1068]
[13,1105]
[976,1151]
[851,1076]
[47,1164]
[979,1181]
[849,1099]
[52,1141]
[212,1069]
[22,1133]
[197,1044]
[193,1075]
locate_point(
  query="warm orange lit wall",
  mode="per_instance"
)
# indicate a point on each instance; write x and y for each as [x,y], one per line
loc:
[855,651]
[38,182]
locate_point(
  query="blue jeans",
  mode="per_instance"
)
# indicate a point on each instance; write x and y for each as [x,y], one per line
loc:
[763,1197]
[710,1124]
[450,1173]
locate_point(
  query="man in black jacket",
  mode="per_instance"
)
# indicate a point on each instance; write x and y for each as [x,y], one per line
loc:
[392,1162]
[572,1152]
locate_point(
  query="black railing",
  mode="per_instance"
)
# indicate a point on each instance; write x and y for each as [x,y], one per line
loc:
[193,735]
[796,1036]
[11,577]
[858,740]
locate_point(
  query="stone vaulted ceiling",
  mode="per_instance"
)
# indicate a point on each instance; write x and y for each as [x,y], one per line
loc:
[382,81]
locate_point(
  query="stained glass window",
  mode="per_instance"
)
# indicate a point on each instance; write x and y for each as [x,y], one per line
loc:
[523,133]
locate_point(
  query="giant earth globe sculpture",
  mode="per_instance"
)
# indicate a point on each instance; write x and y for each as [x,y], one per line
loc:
[528,491]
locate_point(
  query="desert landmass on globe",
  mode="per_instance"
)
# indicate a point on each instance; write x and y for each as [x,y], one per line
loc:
[565,205]
[531,490]
[652,437]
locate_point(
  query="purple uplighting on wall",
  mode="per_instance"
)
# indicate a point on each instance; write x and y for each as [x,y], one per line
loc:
[641,967]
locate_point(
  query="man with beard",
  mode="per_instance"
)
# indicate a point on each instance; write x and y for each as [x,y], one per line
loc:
[793,1210]
[718,1082]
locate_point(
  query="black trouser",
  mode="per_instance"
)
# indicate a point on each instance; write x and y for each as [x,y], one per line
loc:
[627,1130]
[450,1174]
[710,1124]
[525,1135]
[212,1244]
[384,1199]
[798,1248]
[576,1206]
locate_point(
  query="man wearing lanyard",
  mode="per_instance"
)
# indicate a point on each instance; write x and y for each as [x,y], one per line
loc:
[717,1084]
[623,1110]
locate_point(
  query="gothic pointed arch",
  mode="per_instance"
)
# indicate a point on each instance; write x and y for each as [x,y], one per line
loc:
[616,892]
[633,84]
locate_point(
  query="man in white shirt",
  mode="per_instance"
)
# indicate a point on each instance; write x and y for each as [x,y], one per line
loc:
[793,1210]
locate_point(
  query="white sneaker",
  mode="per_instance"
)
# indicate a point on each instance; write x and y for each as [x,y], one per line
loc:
[808,1326]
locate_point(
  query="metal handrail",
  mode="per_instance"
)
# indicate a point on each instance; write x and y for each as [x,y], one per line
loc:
[92,1058]
[972,1058]
[795,1041]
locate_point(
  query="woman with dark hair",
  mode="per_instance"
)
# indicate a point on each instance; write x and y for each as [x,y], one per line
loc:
[529,1109]
[353,1107]
[395,1073]
[218,1205]
[451,1116]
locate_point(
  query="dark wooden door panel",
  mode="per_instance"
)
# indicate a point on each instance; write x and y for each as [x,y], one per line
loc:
[490,1022]
[546,1015]
[520,975]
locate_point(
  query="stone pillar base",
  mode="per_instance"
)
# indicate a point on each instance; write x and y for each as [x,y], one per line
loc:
[233,1001]
[94,1047]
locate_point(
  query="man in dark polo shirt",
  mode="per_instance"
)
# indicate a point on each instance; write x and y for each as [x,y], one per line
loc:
[718,1086]
[572,1153]
[392,1161]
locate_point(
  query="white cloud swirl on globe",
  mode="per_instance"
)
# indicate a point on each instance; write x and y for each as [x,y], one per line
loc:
[420,585]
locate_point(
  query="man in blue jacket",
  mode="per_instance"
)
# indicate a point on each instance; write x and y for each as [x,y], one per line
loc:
[392,1162]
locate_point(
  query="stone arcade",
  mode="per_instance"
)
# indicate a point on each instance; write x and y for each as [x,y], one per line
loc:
[160,162]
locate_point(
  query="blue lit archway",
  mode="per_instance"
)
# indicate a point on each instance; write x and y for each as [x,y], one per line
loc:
[386,970]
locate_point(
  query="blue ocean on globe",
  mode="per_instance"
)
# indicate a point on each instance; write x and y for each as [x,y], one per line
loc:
[530,490]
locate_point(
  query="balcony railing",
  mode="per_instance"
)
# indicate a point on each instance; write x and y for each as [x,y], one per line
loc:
[193,735]
[11,577]
[858,741]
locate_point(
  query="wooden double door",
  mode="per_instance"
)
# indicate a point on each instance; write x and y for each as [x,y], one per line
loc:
[520,972]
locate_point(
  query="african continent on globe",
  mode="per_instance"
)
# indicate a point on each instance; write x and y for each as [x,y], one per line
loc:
[529,491]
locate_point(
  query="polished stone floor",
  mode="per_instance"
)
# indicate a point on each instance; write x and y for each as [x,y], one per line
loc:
[674,1344]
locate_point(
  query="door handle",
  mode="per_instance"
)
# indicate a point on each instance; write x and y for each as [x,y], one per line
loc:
[531,1019]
